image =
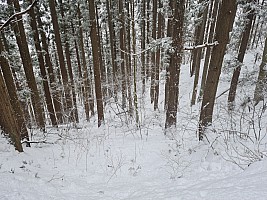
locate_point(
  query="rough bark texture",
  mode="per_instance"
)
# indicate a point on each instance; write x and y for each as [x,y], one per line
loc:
[240,57]
[48,98]
[8,121]
[96,62]
[224,25]
[62,65]
[28,68]
[175,63]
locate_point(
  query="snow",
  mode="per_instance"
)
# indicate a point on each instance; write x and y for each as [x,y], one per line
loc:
[117,161]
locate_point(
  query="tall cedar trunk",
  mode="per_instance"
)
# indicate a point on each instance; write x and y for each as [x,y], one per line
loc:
[112,50]
[240,58]
[134,63]
[78,59]
[157,66]
[153,54]
[101,60]
[12,91]
[86,84]
[200,31]
[175,62]
[48,98]
[49,67]
[74,111]
[128,70]
[209,49]
[96,61]
[224,25]
[169,34]
[19,88]
[143,45]
[28,67]
[8,121]
[262,77]
[122,59]
[148,32]
[60,54]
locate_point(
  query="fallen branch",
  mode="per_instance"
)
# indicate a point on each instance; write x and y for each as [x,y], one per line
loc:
[36,142]
[18,14]
[202,46]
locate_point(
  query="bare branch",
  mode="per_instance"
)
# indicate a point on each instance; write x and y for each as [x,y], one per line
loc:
[18,14]
[202,46]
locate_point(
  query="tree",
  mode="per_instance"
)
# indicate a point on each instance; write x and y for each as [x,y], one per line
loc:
[27,65]
[224,25]
[175,62]
[8,121]
[241,54]
[262,77]
[96,61]
[37,42]
[63,70]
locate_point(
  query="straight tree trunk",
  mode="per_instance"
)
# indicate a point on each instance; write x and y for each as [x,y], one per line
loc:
[262,77]
[48,65]
[8,121]
[177,24]
[240,58]
[96,61]
[37,42]
[224,25]
[27,65]
[12,91]
[62,65]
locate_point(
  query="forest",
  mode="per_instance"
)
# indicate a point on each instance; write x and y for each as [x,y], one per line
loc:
[81,77]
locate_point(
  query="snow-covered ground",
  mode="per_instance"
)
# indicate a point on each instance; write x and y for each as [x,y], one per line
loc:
[117,161]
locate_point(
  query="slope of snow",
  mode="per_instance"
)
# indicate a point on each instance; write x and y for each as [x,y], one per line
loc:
[117,161]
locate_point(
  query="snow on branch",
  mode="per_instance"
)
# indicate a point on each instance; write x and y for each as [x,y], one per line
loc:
[18,14]
[202,46]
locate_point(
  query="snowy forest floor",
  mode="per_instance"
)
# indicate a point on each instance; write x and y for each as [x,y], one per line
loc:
[118,161]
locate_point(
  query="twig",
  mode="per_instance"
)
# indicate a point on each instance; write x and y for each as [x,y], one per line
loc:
[18,14]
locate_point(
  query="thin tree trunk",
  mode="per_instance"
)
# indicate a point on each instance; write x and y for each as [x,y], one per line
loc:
[240,58]
[62,65]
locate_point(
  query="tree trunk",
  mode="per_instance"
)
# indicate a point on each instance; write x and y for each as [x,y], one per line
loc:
[12,91]
[8,121]
[96,61]
[240,58]
[28,68]
[175,63]
[62,65]
[260,89]
[48,99]
[224,25]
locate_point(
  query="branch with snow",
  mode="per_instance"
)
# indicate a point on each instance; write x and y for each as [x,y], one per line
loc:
[202,46]
[17,14]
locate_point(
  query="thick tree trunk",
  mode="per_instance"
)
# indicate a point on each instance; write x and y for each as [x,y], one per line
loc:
[96,61]
[28,68]
[175,63]
[48,99]
[12,91]
[8,121]
[224,25]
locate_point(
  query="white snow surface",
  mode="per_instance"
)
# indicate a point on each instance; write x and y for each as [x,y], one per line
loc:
[118,161]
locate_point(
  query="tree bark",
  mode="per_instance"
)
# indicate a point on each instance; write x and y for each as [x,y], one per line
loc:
[224,25]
